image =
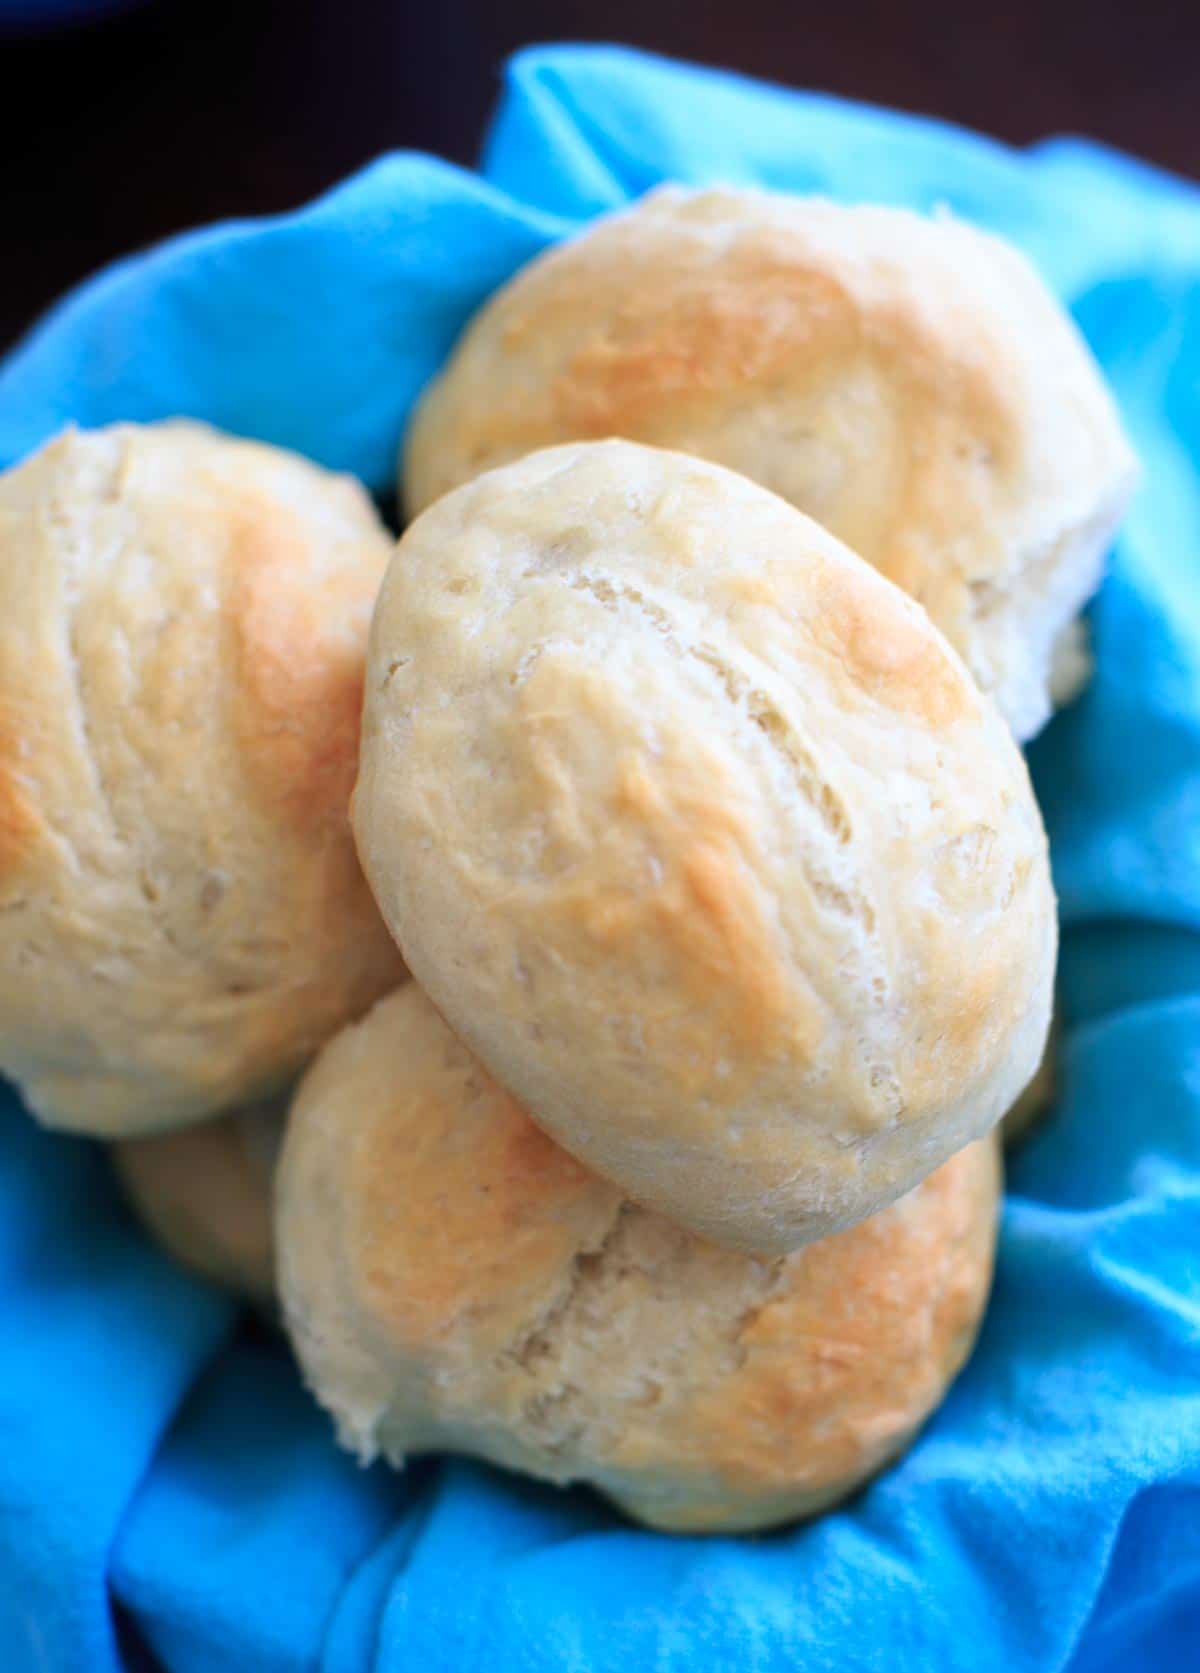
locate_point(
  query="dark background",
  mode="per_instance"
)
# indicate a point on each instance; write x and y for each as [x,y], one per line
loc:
[182,111]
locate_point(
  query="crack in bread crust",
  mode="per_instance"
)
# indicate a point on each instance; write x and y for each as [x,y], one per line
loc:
[752,705]
[755,706]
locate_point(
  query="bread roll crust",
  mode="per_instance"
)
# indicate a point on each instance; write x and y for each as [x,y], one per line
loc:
[1037,1099]
[183,921]
[907,381]
[702,839]
[204,1195]
[451,1279]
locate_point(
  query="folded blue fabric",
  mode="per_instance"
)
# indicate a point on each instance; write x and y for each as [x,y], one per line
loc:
[160,1464]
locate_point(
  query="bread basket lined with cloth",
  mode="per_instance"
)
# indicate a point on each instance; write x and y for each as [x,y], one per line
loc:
[1053,1504]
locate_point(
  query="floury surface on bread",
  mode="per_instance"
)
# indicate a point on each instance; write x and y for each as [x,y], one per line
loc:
[183,626]
[451,1279]
[1036,1101]
[204,1195]
[702,839]
[907,381]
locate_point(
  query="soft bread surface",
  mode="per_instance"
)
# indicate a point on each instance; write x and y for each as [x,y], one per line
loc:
[702,839]
[1035,1101]
[183,922]
[907,381]
[204,1194]
[452,1279]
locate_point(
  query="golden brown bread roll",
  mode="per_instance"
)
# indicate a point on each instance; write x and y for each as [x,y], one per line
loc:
[907,381]
[204,1194]
[183,622]
[451,1279]
[702,839]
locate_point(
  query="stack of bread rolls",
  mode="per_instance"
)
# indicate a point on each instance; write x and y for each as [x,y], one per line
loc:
[622,905]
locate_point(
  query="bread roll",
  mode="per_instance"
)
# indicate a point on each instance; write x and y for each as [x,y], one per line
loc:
[451,1279]
[183,623]
[907,381]
[703,840]
[204,1194]
[1034,1103]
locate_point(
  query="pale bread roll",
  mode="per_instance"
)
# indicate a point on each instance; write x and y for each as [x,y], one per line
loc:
[1035,1101]
[453,1280]
[204,1194]
[702,839]
[907,381]
[183,921]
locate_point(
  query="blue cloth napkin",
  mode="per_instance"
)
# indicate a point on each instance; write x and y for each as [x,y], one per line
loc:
[161,1468]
